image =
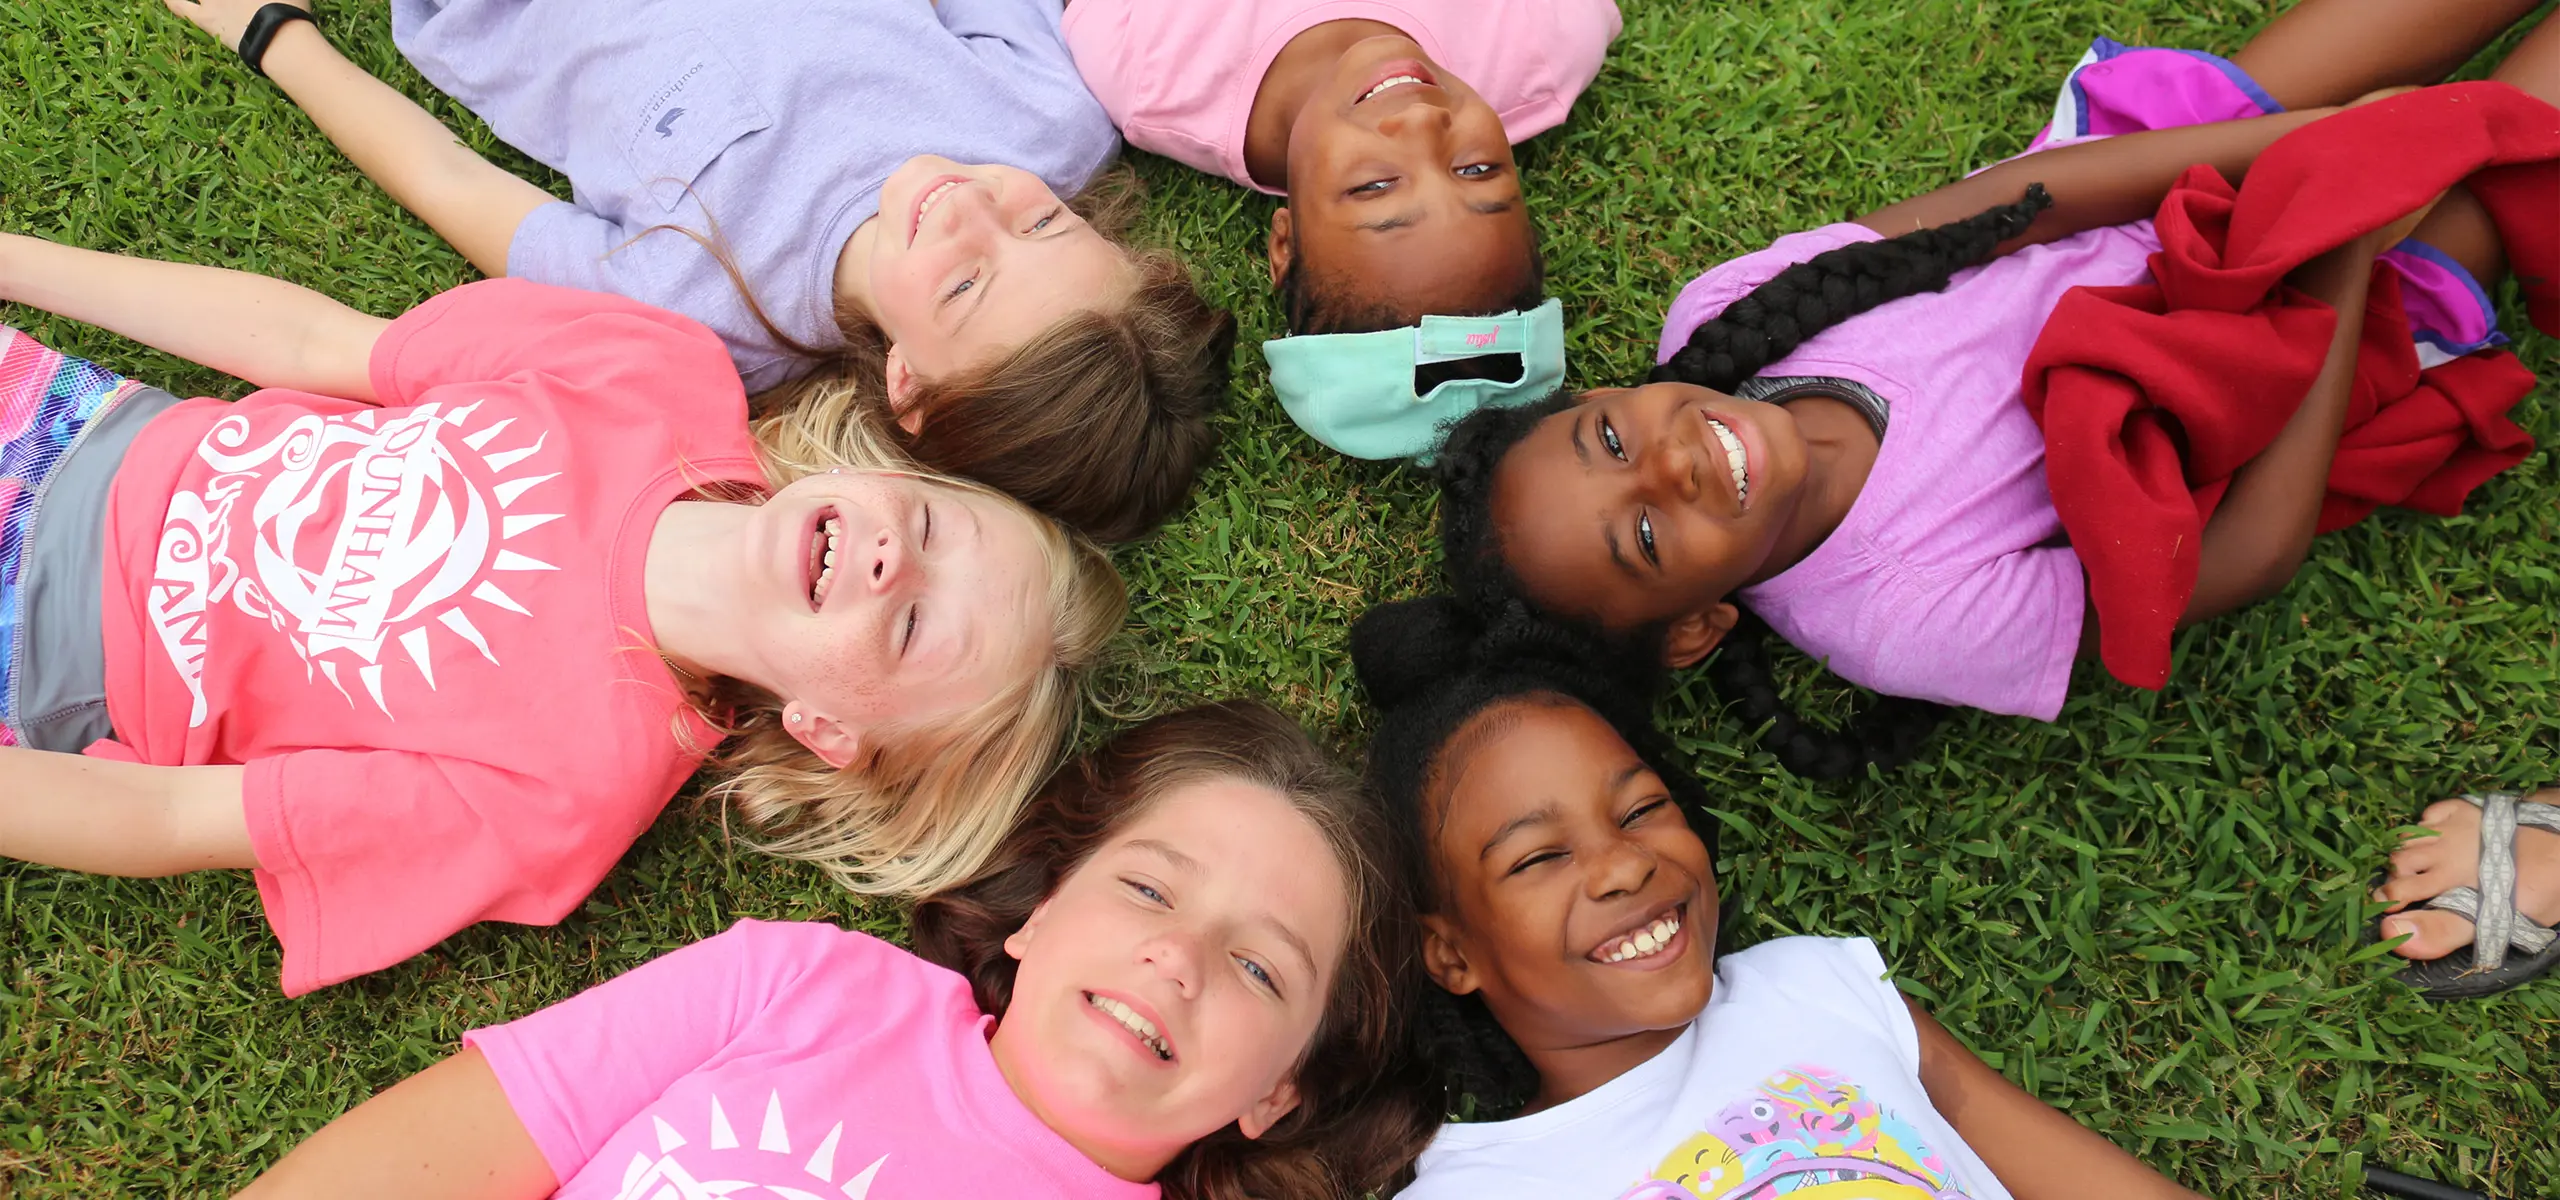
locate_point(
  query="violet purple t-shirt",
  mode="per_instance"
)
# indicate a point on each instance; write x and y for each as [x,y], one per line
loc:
[785,1059]
[776,121]
[1950,579]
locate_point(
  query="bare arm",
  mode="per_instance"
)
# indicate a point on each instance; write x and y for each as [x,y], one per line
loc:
[474,203]
[116,818]
[2096,184]
[445,1133]
[2263,528]
[267,331]
[2038,1153]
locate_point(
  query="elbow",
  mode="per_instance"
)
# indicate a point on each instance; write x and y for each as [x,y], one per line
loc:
[2276,573]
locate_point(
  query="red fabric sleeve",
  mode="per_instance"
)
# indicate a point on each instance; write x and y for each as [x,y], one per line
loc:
[366,857]
[606,345]
[577,1071]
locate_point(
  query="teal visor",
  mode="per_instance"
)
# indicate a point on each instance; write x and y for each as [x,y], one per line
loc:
[1354,391]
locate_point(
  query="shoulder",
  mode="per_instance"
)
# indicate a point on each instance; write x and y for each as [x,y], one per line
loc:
[1727,281]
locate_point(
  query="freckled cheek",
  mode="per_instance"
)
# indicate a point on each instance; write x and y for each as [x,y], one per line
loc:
[846,667]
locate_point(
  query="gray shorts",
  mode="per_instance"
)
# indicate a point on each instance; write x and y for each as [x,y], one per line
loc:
[57,679]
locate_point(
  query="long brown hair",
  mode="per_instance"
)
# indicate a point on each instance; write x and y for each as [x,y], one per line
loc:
[1364,1111]
[1101,420]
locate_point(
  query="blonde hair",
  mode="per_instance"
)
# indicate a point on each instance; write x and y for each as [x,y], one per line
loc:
[933,800]
[1100,420]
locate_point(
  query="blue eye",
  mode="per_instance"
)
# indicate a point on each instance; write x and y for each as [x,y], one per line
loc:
[1153,896]
[1043,223]
[1260,975]
[962,286]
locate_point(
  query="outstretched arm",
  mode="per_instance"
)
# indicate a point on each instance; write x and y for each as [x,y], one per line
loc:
[267,331]
[474,203]
[2038,1153]
[444,1133]
[2096,184]
[117,818]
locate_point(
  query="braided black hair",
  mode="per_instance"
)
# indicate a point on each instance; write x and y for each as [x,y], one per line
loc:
[1431,666]
[1761,328]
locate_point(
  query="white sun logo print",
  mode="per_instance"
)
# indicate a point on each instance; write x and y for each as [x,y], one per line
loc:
[366,531]
[663,1177]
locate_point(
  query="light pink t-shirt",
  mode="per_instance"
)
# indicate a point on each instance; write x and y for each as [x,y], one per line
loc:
[419,623]
[1950,579]
[1178,76]
[793,1060]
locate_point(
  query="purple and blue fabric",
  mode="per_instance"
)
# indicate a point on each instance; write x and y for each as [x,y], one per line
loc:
[46,399]
[2116,89]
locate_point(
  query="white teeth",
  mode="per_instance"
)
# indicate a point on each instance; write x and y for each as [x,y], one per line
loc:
[1734,459]
[1391,81]
[1643,943]
[1129,1019]
[934,197]
[831,529]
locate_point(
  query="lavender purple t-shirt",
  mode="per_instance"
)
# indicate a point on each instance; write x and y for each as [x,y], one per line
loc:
[781,1059]
[777,120]
[1950,579]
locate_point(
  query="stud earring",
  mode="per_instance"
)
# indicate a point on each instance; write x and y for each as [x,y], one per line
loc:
[794,718]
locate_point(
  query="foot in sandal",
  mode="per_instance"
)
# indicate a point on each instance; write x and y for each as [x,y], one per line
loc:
[2517,881]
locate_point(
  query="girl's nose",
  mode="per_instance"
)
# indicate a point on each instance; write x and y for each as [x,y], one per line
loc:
[1176,958]
[887,566]
[1671,469]
[1620,868]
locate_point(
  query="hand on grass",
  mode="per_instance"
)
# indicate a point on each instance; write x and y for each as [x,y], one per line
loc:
[226,20]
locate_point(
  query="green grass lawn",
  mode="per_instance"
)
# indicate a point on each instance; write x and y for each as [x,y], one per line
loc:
[2149,912]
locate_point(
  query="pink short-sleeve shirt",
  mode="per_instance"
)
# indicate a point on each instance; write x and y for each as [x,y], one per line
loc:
[1178,76]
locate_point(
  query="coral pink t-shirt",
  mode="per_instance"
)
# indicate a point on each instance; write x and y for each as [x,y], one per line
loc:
[793,1060]
[420,623]
[1178,76]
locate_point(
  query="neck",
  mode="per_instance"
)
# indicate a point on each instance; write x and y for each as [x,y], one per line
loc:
[1136,1164]
[692,606]
[1570,1072]
[1305,62]
[852,283]
[1840,452]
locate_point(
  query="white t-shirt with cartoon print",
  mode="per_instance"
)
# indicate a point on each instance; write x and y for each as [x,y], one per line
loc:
[1801,1079]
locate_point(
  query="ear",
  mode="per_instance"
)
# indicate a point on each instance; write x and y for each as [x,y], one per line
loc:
[1018,942]
[1279,247]
[1267,1111]
[826,737]
[902,391]
[1443,960]
[1694,636]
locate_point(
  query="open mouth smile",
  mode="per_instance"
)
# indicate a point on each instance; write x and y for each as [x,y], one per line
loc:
[925,202]
[824,534]
[1736,461]
[1654,939]
[1406,73]
[1135,1022]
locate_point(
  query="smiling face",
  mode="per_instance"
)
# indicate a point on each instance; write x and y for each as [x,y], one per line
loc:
[1171,983]
[1647,505]
[966,262]
[1570,893]
[875,595]
[1402,188]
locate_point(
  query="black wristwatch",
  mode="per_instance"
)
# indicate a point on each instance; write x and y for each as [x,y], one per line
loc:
[262,30]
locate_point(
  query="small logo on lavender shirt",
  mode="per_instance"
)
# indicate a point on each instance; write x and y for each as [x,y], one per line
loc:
[1477,340]
[666,123]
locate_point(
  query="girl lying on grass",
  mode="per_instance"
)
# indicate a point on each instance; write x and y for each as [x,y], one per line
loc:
[1175,979]
[1839,436]
[785,174]
[428,630]
[1569,912]
[1403,199]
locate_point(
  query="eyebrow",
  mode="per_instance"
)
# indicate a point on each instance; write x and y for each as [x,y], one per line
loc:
[1542,816]
[1295,942]
[1492,208]
[1403,221]
[1179,859]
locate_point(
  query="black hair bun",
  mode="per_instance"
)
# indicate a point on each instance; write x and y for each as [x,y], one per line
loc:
[1404,649]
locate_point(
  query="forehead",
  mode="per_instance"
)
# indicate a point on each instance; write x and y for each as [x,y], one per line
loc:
[1451,260]
[1524,754]
[1042,281]
[1009,565]
[1548,508]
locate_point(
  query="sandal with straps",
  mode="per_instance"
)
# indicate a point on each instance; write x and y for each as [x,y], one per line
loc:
[2508,947]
